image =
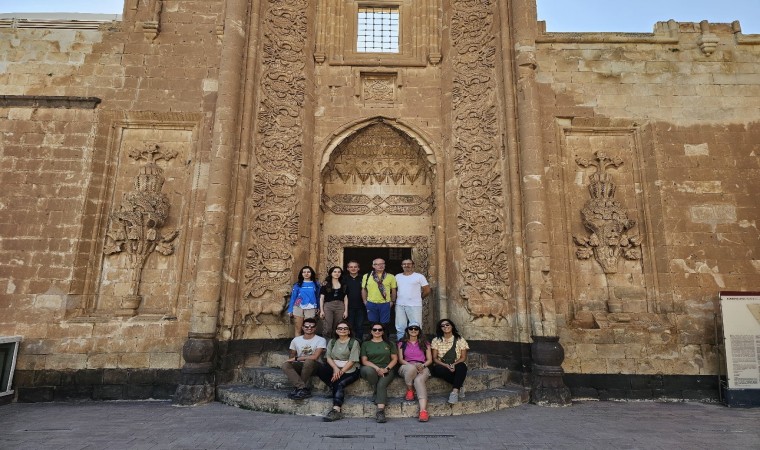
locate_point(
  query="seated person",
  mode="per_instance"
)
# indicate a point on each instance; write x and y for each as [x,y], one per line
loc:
[305,354]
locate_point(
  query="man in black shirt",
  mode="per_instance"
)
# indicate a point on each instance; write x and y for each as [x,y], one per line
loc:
[356,309]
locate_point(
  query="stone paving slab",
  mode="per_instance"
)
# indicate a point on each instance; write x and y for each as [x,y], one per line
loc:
[585,425]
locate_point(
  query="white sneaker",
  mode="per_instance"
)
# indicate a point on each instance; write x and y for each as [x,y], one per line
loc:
[453,397]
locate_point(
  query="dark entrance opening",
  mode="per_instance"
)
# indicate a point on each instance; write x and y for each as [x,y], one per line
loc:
[364,255]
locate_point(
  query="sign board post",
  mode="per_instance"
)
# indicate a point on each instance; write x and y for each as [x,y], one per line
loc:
[741,334]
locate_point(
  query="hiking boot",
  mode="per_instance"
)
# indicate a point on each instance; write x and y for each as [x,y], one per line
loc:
[409,395]
[332,416]
[302,394]
[424,416]
[453,398]
[292,394]
[380,416]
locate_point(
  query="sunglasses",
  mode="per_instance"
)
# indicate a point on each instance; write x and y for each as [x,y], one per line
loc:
[342,328]
[308,326]
[445,325]
[413,328]
[377,329]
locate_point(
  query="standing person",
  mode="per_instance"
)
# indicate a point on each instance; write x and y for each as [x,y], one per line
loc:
[412,288]
[357,312]
[333,302]
[341,369]
[379,292]
[415,357]
[449,356]
[305,353]
[303,300]
[378,360]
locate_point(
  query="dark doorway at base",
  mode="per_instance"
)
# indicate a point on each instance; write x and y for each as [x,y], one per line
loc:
[364,255]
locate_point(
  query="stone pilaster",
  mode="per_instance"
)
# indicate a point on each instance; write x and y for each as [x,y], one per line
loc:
[549,389]
[197,384]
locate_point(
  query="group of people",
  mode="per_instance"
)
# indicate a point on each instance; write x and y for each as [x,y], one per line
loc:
[343,356]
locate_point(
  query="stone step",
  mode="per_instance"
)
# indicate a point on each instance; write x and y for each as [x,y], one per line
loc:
[276,358]
[477,380]
[276,401]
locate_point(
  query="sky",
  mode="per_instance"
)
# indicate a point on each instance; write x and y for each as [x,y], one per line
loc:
[560,15]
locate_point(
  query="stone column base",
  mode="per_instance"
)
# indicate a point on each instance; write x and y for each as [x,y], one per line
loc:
[198,381]
[548,387]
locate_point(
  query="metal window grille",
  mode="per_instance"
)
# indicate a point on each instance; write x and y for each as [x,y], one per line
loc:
[378,30]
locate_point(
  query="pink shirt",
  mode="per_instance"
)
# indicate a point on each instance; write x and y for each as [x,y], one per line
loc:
[413,353]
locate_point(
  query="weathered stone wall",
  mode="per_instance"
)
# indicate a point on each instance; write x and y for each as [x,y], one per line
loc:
[651,145]
[683,118]
[67,166]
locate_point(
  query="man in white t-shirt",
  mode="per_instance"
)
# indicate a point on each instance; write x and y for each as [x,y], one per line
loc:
[305,353]
[412,288]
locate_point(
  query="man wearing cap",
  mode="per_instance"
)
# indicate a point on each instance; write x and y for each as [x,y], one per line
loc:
[412,288]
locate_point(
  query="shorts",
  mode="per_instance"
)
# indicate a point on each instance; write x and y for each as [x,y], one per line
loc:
[305,313]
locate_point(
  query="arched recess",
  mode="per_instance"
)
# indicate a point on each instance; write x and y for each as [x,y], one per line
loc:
[380,185]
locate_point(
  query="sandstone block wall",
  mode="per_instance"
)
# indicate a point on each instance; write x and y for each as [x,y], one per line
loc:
[685,122]
[66,166]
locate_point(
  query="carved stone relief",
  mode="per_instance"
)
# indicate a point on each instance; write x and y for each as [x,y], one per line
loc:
[357,204]
[605,219]
[378,88]
[476,141]
[378,155]
[611,281]
[136,226]
[272,209]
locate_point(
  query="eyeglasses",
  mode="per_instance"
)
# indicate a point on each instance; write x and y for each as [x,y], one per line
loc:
[444,325]
[308,326]
[378,264]
[377,329]
[413,328]
[342,328]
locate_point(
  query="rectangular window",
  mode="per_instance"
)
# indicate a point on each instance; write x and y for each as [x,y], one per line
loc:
[377,30]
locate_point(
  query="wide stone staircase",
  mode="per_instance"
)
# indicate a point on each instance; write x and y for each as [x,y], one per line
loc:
[265,388]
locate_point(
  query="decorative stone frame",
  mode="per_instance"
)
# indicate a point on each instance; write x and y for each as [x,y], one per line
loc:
[639,139]
[84,302]
[419,33]
[420,248]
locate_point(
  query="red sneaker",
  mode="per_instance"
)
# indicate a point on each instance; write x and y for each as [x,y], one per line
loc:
[424,416]
[409,395]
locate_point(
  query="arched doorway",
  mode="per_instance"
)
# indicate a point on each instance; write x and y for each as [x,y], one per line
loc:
[378,197]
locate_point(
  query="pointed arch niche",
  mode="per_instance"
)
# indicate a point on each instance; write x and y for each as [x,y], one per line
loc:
[380,187]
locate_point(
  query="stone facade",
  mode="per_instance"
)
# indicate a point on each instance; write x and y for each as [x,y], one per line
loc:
[166,175]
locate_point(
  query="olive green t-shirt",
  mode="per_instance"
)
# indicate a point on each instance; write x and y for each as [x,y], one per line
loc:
[378,353]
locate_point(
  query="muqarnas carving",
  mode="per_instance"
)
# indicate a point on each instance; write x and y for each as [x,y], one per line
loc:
[605,219]
[135,227]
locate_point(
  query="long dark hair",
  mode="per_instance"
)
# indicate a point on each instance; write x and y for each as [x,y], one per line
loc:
[439,333]
[422,341]
[385,334]
[328,279]
[300,275]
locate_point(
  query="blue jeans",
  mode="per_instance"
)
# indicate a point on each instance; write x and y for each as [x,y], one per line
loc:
[404,315]
[379,312]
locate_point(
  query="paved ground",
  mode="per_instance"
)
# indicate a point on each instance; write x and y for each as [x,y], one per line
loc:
[586,425]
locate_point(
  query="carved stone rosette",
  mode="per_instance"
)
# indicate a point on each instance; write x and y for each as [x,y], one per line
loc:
[606,219]
[278,152]
[135,227]
[481,218]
